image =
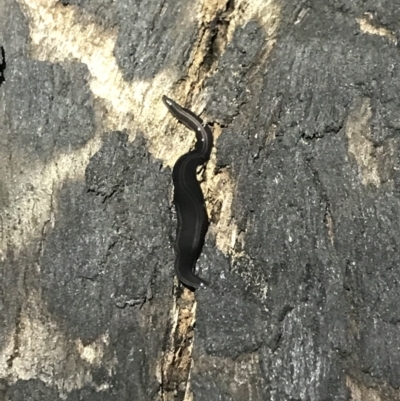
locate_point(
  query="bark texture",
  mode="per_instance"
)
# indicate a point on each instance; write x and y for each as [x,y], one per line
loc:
[303,192]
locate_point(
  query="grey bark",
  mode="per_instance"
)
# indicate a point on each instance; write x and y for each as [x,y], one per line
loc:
[306,307]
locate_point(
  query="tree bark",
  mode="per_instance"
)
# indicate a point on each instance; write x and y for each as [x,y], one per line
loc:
[302,192]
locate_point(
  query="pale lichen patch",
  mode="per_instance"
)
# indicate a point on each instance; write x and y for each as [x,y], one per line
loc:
[93,353]
[360,146]
[360,392]
[367,25]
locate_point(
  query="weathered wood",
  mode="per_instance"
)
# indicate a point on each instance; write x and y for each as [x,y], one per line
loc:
[302,190]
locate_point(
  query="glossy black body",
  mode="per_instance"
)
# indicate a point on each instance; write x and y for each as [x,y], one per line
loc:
[188,197]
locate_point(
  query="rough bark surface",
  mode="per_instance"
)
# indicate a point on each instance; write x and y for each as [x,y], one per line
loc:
[303,192]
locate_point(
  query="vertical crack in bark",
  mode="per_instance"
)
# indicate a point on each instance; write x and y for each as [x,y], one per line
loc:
[211,43]
[216,37]
[2,64]
[329,221]
[177,359]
